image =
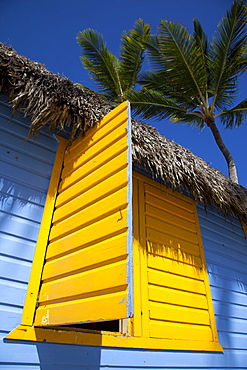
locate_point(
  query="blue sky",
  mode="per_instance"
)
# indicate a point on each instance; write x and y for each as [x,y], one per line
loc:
[46,31]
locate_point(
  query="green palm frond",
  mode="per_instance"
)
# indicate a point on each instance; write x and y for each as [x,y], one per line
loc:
[132,53]
[234,117]
[154,55]
[227,55]
[152,104]
[154,81]
[200,37]
[183,60]
[101,64]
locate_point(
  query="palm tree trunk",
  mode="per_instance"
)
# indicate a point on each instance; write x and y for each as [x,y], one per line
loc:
[232,171]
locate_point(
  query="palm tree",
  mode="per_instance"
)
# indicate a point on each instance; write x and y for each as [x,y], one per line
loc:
[114,76]
[193,81]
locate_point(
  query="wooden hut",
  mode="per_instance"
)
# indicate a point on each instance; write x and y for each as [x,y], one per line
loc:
[138,247]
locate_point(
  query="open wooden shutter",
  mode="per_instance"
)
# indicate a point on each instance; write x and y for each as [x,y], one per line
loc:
[87,273]
[176,300]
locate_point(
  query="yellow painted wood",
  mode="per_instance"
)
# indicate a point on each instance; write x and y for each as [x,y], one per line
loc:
[179,301]
[37,266]
[103,128]
[175,254]
[98,308]
[181,269]
[165,240]
[90,214]
[103,229]
[86,282]
[103,172]
[84,337]
[102,189]
[167,204]
[90,148]
[143,260]
[173,281]
[173,313]
[94,256]
[177,297]
[171,229]
[169,330]
[168,195]
[94,160]
[94,212]
[137,321]
[163,215]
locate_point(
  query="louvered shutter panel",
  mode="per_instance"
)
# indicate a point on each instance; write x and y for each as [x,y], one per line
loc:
[87,275]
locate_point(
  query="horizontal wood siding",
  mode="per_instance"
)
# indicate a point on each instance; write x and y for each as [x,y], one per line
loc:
[85,277]
[226,252]
[25,169]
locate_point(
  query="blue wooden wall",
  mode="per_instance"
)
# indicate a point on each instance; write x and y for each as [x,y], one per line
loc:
[25,167]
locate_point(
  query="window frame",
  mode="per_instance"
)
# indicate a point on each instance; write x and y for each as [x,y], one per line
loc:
[136,335]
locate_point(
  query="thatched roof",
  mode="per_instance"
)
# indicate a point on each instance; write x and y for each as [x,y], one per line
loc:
[47,97]
[50,98]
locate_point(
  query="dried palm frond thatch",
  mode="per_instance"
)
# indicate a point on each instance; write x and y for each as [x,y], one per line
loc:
[47,97]
[50,98]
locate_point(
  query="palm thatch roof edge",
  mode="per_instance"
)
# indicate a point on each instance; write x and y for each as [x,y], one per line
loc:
[53,99]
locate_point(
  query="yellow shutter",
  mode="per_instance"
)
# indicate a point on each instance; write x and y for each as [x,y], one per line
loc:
[176,301]
[87,271]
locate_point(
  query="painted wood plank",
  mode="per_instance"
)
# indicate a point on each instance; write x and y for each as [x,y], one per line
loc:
[111,307]
[12,206]
[164,239]
[237,264]
[104,156]
[102,173]
[173,313]
[231,341]
[100,190]
[13,245]
[87,282]
[115,142]
[94,255]
[14,269]
[24,193]
[10,317]
[177,297]
[159,329]
[170,207]
[233,325]
[169,265]
[107,227]
[93,136]
[12,293]
[230,310]
[226,271]
[162,214]
[35,147]
[19,226]
[10,154]
[94,212]
[13,171]
[235,294]
[167,279]
[171,229]
[175,254]
[169,195]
